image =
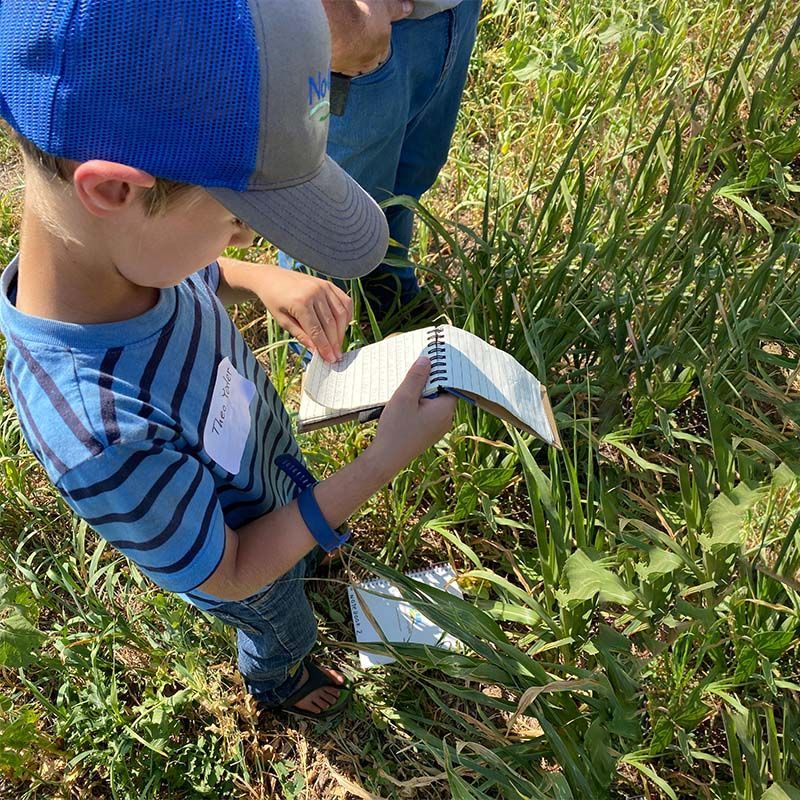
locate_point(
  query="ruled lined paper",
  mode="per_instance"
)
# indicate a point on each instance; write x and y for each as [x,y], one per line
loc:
[367,377]
[312,412]
[396,618]
[475,366]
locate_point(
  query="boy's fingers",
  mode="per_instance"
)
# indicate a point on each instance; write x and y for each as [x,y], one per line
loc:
[309,332]
[442,401]
[344,304]
[438,412]
[330,327]
[414,382]
[342,315]
[305,342]
[444,404]
[314,330]
[347,301]
[294,327]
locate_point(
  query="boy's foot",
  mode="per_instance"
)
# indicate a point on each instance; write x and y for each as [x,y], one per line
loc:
[323,692]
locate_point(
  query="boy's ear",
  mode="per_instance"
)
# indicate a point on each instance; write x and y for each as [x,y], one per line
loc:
[105,188]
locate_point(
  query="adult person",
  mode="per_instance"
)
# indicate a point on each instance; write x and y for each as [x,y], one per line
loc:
[407,63]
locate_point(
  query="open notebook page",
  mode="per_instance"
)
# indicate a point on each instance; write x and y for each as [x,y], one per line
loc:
[475,366]
[397,619]
[312,412]
[367,377]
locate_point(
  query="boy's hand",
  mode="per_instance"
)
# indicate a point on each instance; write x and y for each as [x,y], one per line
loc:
[410,423]
[361,32]
[314,311]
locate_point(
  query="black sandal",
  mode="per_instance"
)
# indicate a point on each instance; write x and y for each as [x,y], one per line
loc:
[317,679]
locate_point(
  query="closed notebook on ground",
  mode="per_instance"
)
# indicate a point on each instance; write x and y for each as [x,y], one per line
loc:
[366,378]
[379,603]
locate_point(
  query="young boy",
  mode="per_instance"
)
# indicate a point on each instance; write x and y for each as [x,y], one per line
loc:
[133,387]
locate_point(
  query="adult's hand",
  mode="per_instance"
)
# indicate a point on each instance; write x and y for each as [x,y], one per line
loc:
[361,32]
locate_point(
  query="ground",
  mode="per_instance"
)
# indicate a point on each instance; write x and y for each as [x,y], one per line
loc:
[620,212]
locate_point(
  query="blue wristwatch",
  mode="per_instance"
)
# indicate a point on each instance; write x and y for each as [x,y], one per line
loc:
[328,538]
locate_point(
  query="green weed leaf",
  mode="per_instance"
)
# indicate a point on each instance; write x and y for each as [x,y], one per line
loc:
[773,644]
[588,576]
[660,562]
[726,517]
[781,791]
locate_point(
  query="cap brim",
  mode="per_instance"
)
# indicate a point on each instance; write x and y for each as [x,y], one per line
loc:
[328,223]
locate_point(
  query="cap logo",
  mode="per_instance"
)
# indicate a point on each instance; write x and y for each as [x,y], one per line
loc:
[319,105]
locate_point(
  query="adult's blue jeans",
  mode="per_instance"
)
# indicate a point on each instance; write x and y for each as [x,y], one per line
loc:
[276,629]
[395,134]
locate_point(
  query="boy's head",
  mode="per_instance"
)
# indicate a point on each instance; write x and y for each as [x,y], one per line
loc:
[228,95]
[154,231]
[61,171]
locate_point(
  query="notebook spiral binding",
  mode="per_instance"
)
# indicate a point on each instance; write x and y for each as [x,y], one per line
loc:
[377,584]
[436,352]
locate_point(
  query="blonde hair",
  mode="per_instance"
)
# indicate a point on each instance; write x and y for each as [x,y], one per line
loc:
[157,198]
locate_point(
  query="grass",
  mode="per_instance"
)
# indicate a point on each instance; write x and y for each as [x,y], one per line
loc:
[620,212]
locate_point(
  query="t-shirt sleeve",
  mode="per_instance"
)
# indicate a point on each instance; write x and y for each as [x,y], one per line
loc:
[210,275]
[157,506]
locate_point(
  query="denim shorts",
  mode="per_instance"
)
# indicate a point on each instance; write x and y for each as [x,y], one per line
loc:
[276,630]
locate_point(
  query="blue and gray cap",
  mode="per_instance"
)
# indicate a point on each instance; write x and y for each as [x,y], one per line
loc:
[231,95]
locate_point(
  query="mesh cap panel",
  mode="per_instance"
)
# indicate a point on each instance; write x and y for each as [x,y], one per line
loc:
[169,86]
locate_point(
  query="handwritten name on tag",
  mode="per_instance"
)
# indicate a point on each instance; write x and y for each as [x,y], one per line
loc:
[228,423]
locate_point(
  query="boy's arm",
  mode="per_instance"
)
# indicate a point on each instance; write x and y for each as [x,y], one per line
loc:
[263,550]
[316,312]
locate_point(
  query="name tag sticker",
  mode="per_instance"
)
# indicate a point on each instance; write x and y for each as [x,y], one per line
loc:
[228,422]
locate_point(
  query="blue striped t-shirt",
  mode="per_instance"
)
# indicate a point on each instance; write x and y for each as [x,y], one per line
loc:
[124,417]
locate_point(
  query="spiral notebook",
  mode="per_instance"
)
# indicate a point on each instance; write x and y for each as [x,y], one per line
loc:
[379,602]
[365,379]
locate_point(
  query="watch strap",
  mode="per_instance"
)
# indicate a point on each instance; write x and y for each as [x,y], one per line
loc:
[294,468]
[327,538]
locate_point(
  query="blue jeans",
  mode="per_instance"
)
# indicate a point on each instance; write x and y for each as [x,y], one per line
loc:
[395,134]
[276,630]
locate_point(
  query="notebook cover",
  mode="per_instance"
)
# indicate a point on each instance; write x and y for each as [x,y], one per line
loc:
[398,620]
